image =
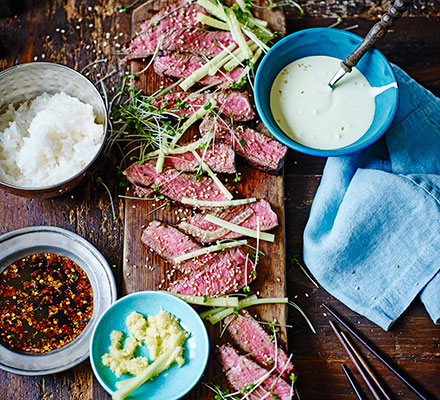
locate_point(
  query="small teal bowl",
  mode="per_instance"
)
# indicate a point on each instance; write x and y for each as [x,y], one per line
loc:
[334,43]
[173,383]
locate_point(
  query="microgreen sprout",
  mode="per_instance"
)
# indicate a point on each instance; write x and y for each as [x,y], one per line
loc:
[293,377]
[282,3]
[101,181]
[124,9]
[165,205]
[239,84]
[338,22]
[256,257]
[295,261]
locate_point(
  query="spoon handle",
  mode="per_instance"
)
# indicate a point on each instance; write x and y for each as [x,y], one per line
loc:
[397,8]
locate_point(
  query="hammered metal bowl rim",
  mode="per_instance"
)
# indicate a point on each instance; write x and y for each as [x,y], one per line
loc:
[88,81]
[79,347]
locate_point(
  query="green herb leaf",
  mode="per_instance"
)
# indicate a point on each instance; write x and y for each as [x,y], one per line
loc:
[239,84]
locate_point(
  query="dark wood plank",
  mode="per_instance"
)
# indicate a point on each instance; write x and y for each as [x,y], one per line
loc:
[362,8]
[413,45]
[46,31]
[413,342]
[139,262]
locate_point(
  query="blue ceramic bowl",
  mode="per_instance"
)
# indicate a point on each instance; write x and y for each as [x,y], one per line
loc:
[171,384]
[334,43]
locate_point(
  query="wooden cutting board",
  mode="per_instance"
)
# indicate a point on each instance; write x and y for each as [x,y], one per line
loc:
[144,270]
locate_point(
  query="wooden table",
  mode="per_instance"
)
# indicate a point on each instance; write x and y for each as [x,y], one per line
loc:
[76,33]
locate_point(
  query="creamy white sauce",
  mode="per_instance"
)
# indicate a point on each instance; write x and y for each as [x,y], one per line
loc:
[311,113]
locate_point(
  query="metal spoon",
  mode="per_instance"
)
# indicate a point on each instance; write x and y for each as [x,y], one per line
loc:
[397,8]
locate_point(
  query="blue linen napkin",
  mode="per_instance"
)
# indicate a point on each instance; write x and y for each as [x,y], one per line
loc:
[373,235]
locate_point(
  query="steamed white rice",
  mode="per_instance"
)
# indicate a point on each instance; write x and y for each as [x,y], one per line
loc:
[47,140]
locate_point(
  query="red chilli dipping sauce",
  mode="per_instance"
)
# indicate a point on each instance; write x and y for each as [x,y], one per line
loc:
[46,300]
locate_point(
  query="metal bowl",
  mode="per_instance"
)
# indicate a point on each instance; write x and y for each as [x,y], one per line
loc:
[27,81]
[40,239]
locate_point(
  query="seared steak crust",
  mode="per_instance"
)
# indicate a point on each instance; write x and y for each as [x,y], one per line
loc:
[180,15]
[254,340]
[228,272]
[244,215]
[256,148]
[220,158]
[169,243]
[173,184]
[178,65]
[184,40]
[231,103]
[243,373]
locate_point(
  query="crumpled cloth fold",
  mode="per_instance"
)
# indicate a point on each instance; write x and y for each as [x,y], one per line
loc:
[373,235]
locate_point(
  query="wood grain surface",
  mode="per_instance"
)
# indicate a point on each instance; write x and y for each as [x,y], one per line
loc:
[138,272]
[48,29]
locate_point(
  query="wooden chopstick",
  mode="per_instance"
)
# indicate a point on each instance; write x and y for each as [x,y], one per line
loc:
[353,383]
[369,347]
[355,361]
[366,366]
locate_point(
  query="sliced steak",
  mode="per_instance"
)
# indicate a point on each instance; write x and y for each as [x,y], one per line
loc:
[227,273]
[173,184]
[254,340]
[229,102]
[255,147]
[241,372]
[185,40]
[168,242]
[245,215]
[178,65]
[196,41]
[181,14]
[220,158]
